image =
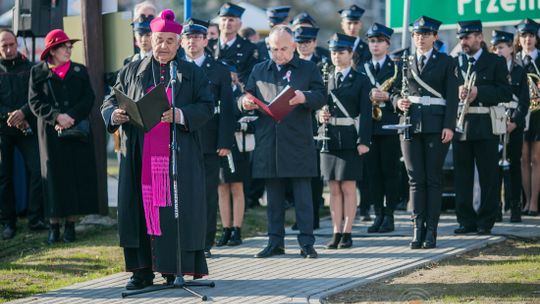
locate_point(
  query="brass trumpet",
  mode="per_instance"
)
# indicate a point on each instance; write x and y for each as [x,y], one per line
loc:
[384,87]
[468,83]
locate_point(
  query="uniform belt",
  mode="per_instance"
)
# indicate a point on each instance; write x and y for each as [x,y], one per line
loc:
[509,105]
[478,110]
[427,100]
[341,121]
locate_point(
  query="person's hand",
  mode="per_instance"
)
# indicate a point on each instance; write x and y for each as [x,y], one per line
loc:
[362,149]
[23,125]
[167,116]
[65,121]
[447,135]
[510,126]
[15,118]
[248,104]
[404,104]
[119,117]
[472,94]
[324,115]
[379,96]
[223,152]
[299,98]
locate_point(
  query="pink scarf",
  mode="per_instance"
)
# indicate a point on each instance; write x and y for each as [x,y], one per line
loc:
[156,190]
[60,70]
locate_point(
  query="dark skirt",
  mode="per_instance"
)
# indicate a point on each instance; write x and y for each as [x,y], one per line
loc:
[241,167]
[341,165]
[533,134]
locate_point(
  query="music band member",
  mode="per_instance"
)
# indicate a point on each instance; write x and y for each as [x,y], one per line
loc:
[429,100]
[350,136]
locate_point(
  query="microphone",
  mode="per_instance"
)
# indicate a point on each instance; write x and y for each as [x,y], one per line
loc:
[173,70]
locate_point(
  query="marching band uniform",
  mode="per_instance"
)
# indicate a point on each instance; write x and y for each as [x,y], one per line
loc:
[360,48]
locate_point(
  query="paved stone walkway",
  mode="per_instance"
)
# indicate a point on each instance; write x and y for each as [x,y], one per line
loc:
[240,278]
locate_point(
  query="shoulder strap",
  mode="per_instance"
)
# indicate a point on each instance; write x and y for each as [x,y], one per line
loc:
[425,85]
[340,105]
[370,75]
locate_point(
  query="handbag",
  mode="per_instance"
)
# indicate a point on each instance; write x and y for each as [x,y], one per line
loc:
[78,132]
[498,119]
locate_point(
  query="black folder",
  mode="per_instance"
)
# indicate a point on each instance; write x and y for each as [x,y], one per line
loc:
[146,112]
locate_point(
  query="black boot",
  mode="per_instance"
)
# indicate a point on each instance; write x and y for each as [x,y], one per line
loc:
[225,237]
[54,233]
[418,234]
[236,238]
[69,232]
[346,241]
[431,237]
[377,222]
[387,224]
[515,212]
[333,244]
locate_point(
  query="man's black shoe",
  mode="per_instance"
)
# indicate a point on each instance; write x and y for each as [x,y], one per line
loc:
[270,250]
[137,283]
[38,225]
[308,252]
[8,232]
[484,231]
[464,230]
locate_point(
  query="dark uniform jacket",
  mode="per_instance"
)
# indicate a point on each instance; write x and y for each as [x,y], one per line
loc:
[218,133]
[389,115]
[14,76]
[361,54]
[493,88]
[263,53]
[285,149]
[529,68]
[520,90]
[440,74]
[195,100]
[241,54]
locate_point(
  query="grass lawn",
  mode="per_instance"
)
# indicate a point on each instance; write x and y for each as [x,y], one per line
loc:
[506,272]
[28,266]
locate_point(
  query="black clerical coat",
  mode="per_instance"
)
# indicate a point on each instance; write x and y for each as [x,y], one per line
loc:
[193,97]
[286,149]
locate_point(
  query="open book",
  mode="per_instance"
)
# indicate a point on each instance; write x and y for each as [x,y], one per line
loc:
[279,107]
[146,112]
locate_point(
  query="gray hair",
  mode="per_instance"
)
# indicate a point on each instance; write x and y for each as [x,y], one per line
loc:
[280,30]
[141,6]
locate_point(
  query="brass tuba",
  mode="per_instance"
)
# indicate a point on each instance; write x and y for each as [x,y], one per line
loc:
[384,87]
[534,92]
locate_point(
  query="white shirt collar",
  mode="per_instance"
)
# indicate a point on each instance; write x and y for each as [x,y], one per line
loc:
[426,54]
[198,61]
[144,54]
[344,72]
[229,44]
[309,57]
[533,55]
[380,62]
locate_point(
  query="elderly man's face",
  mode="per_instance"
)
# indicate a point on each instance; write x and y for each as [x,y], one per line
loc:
[8,46]
[282,46]
[164,46]
[229,25]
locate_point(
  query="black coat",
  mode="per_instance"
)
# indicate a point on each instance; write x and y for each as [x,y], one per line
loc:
[389,115]
[263,53]
[286,149]
[195,101]
[353,93]
[493,88]
[520,89]
[68,167]
[241,54]
[218,133]
[361,54]
[439,73]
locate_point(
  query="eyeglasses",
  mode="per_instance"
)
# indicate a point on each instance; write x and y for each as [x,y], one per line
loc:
[194,37]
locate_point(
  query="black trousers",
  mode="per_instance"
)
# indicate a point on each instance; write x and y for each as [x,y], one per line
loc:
[512,178]
[424,159]
[211,167]
[139,260]
[364,186]
[276,188]
[28,145]
[383,169]
[483,153]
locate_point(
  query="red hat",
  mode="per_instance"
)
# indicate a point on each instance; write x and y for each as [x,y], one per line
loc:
[53,38]
[165,23]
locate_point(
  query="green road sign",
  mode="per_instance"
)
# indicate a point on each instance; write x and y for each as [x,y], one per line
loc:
[491,12]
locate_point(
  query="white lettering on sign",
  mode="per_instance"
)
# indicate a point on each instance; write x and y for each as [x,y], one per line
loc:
[494,6]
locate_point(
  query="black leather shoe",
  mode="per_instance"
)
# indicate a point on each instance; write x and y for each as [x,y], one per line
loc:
[387,224]
[236,237]
[532,213]
[54,233]
[376,224]
[515,213]
[137,283]
[9,231]
[333,244]
[465,229]
[270,250]
[419,234]
[308,252]
[225,237]
[294,227]
[38,225]
[69,232]
[431,239]
[484,231]
[346,241]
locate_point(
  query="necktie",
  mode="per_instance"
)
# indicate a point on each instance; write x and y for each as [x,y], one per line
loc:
[377,68]
[472,60]
[338,79]
[527,60]
[421,63]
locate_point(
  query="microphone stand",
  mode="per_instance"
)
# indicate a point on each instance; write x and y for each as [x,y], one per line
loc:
[179,281]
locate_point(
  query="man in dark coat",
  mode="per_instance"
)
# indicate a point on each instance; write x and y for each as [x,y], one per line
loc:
[17,125]
[285,151]
[144,253]
[218,134]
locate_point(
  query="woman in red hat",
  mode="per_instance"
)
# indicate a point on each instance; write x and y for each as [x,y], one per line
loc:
[61,97]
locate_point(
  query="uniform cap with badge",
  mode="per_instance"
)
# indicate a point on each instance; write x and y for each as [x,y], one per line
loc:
[425,24]
[353,13]
[142,24]
[340,42]
[303,19]
[528,26]
[501,36]
[379,30]
[231,10]
[277,14]
[195,26]
[468,27]
[305,34]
